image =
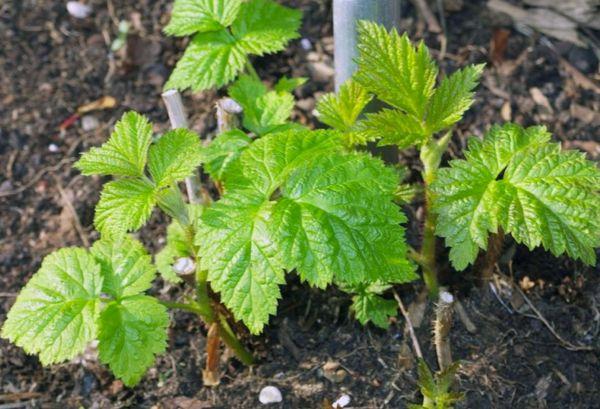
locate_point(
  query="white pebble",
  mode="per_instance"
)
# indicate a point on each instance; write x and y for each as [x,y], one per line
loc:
[53,148]
[184,265]
[89,123]
[270,394]
[78,10]
[305,44]
[342,401]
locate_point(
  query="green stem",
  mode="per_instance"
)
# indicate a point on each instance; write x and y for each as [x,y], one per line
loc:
[202,297]
[251,70]
[228,336]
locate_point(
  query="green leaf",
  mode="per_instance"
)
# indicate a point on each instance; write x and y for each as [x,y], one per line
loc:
[210,60]
[263,26]
[190,16]
[336,219]
[518,181]
[393,69]
[55,314]
[392,127]
[242,264]
[175,156]
[125,265]
[223,151]
[299,202]
[125,205]
[263,111]
[371,307]
[125,153]
[179,244]
[341,110]
[452,98]
[132,332]
[286,84]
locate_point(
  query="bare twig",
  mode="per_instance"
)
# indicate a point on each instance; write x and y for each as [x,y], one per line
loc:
[228,112]
[178,118]
[411,329]
[564,342]
[464,317]
[76,221]
[441,329]
[36,177]
[428,16]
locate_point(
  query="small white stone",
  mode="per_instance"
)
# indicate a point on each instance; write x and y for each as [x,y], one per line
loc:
[53,148]
[89,123]
[184,265]
[305,44]
[270,394]
[342,401]
[78,10]
[446,297]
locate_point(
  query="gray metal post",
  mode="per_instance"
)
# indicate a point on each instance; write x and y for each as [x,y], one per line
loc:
[346,14]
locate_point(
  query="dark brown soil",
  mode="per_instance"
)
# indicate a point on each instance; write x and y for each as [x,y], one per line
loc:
[50,64]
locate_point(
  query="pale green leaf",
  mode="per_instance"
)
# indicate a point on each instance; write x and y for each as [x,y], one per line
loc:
[263,26]
[132,332]
[341,110]
[211,60]
[55,314]
[452,98]
[126,266]
[516,180]
[392,127]
[175,156]
[124,154]
[370,307]
[222,151]
[393,69]
[263,111]
[285,84]
[190,16]
[242,264]
[124,205]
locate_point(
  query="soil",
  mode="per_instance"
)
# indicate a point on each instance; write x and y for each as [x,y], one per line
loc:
[314,351]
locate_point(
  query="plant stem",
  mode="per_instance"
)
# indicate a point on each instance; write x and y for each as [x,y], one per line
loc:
[251,70]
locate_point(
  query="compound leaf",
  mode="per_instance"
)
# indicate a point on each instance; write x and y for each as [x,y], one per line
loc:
[211,60]
[125,205]
[393,69]
[175,156]
[263,26]
[516,180]
[452,98]
[125,153]
[223,151]
[56,312]
[191,16]
[125,265]
[132,331]
[341,110]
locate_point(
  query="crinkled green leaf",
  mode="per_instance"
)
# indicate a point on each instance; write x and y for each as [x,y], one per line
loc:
[56,312]
[126,266]
[125,153]
[299,202]
[191,16]
[262,111]
[393,69]
[222,151]
[175,156]
[341,110]
[263,26]
[242,264]
[285,84]
[132,332]
[516,180]
[452,98]
[179,244]
[211,60]
[125,205]
[392,127]
[370,307]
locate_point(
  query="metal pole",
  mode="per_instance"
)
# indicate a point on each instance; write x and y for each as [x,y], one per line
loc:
[346,14]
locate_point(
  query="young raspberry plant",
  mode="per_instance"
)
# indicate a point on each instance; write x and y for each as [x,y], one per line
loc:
[514,181]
